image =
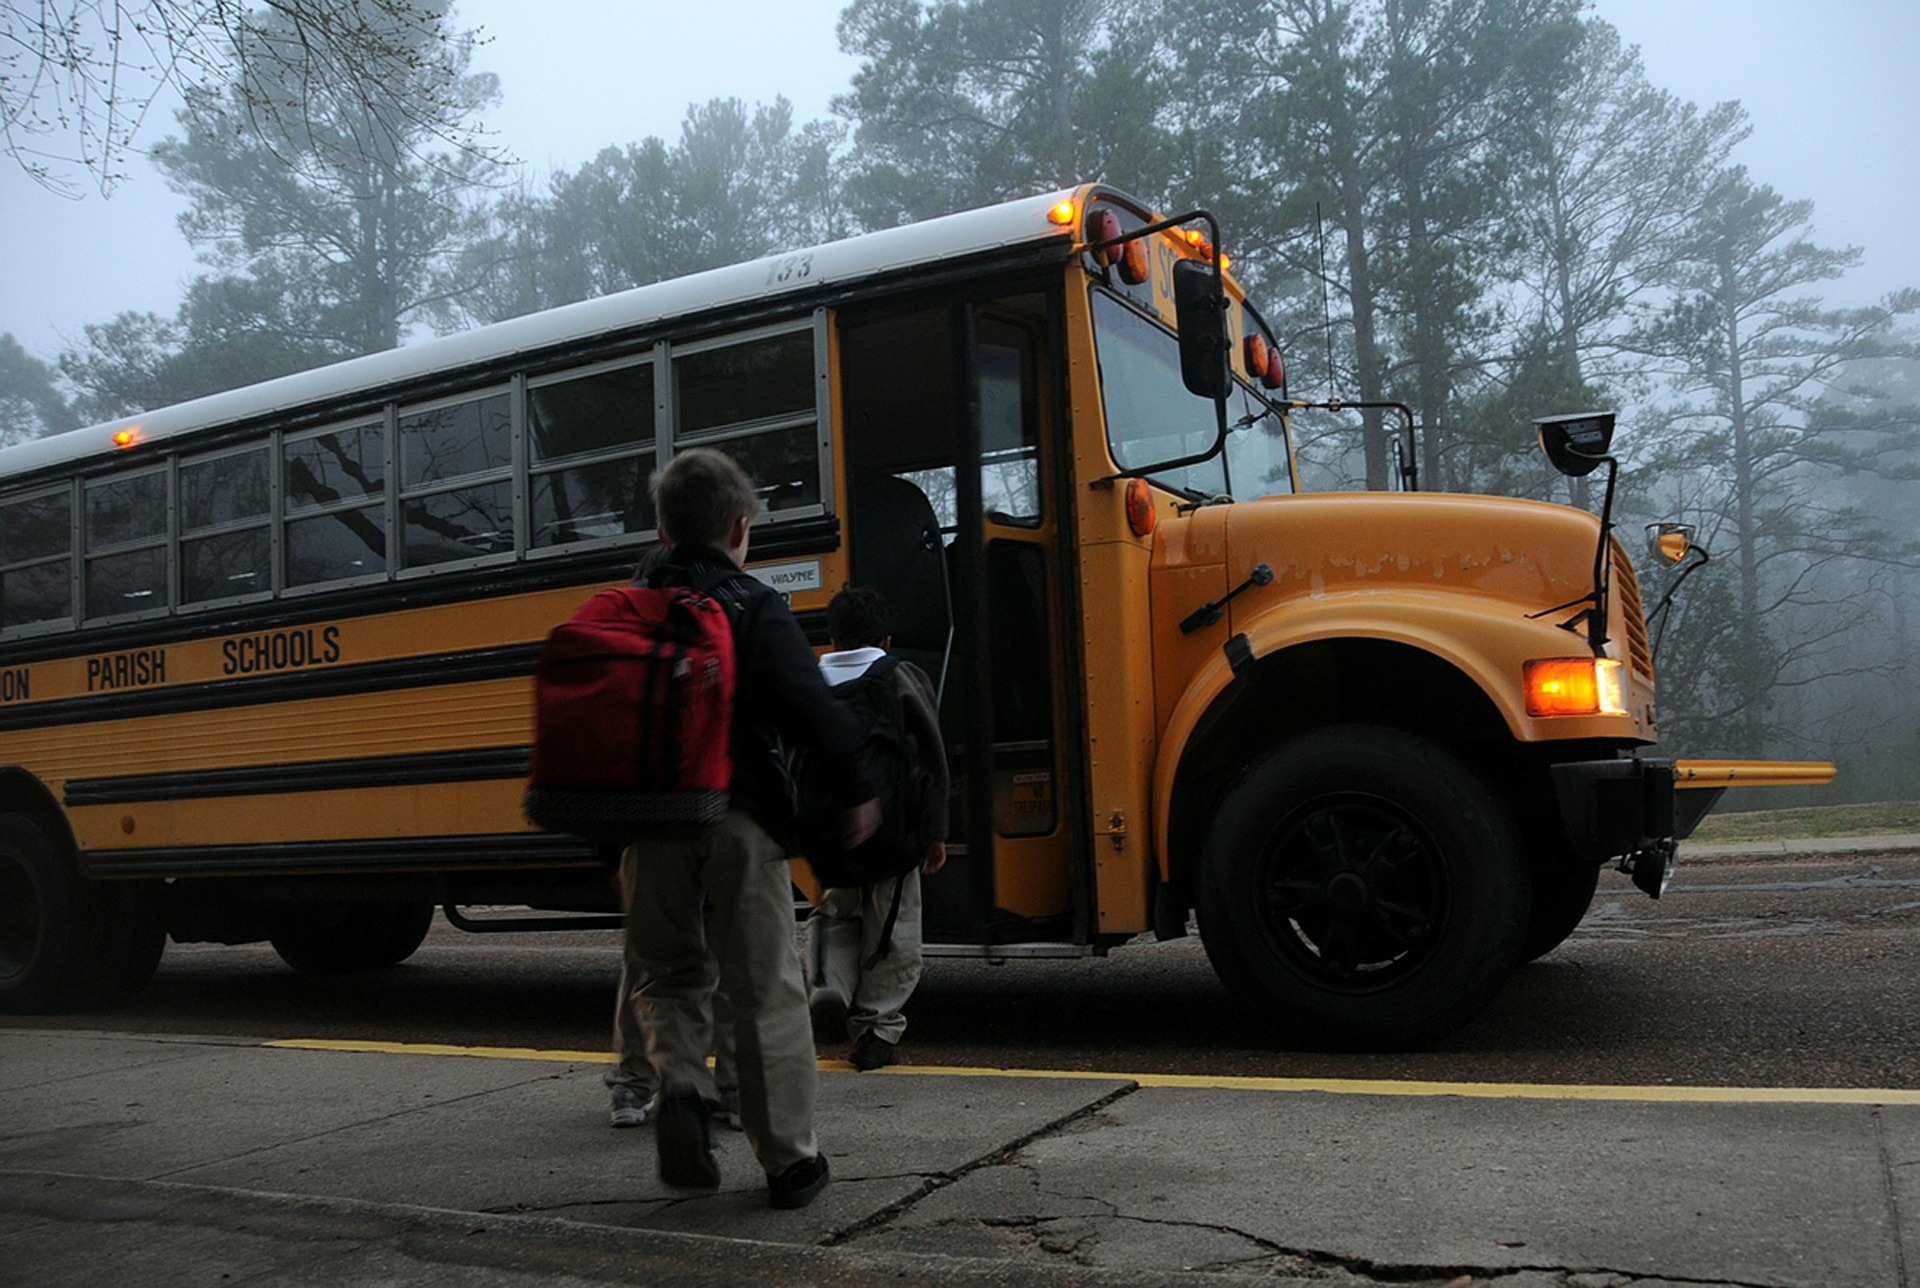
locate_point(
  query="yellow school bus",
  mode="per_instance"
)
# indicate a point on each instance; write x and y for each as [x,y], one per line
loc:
[265,657]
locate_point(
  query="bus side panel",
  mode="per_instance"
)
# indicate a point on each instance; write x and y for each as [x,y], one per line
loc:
[1117,655]
[1120,738]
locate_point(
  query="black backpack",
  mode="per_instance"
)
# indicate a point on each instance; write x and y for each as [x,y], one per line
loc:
[899,765]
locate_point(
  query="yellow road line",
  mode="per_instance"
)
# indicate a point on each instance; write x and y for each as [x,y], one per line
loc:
[435,1048]
[1222,1082]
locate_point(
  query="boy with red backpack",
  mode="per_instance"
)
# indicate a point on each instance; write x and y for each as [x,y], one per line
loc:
[736,866]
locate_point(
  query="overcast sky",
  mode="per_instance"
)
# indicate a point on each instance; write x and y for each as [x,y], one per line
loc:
[1829,85]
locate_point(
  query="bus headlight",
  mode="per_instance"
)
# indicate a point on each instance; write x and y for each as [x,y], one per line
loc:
[1576,686]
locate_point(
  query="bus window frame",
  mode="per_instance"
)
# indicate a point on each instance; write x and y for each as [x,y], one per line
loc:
[284,515]
[669,437]
[381,410]
[182,462]
[527,479]
[401,492]
[88,553]
[1254,403]
[51,625]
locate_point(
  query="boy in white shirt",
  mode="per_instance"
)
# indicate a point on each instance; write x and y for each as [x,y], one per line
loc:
[865,940]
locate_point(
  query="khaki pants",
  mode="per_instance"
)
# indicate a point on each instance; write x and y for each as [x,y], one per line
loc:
[632,1067]
[845,929]
[740,876]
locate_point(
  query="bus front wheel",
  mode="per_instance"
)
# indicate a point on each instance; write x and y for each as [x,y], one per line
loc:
[1563,890]
[335,938]
[65,942]
[1364,888]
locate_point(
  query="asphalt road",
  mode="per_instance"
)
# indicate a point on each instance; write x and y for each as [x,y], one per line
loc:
[1748,973]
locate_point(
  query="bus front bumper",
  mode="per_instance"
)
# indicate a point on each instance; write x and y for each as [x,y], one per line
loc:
[1638,808]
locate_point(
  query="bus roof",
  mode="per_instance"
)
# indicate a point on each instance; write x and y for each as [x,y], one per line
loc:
[889,250]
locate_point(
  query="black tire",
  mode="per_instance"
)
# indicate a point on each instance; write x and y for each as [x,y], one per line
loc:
[129,938]
[1364,888]
[66,943]
[43,920]
[1563,889]
[337,938]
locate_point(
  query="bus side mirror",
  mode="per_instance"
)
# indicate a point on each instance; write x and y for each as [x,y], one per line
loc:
[1576,444]
[1200,312]
[1670,543]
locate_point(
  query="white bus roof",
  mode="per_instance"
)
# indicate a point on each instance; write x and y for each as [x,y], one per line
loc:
[836,263]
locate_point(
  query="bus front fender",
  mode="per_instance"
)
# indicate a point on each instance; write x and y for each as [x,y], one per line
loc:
[1486,645]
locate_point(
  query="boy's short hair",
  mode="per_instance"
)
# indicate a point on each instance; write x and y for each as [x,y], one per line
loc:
[700,496]
[859,617]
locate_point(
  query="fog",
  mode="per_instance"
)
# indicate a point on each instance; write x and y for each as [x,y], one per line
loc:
[1829,88]
[1800,650]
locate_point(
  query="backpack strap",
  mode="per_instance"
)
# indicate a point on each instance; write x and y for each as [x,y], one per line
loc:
[720,584]
[885,945]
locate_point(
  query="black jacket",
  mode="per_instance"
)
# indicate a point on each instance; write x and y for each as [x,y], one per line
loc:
[780,699]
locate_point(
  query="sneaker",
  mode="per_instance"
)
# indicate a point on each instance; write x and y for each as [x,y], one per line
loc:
[829,1010]
[631,1108]
[728,1113]
[800,1184]
[684,1135]
[873,1052]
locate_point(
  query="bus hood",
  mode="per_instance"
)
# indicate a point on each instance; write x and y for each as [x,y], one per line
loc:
[1486,582]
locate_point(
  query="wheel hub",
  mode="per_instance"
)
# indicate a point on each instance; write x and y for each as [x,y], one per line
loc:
[1347,892]
[1351,892]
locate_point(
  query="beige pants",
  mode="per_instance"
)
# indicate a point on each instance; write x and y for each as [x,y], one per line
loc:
[845,930]
[632,1067]
[740,876]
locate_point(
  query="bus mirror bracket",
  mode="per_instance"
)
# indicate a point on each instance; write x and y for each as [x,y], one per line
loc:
[1577,445]
[1678,546]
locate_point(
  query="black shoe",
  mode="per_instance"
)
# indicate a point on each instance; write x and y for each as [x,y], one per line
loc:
[684,1133]
[829,1011]
[800,1184]
[873,1052]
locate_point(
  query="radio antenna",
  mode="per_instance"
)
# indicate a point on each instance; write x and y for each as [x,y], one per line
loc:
[1326,309]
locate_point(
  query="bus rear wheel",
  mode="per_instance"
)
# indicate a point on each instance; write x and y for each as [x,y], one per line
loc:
[1364,888]
[336,938]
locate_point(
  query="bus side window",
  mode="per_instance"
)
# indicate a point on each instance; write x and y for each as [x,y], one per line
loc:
[757,400]
[336,507]
[456,498]
[126,544]
[590,448]
[226,505]
[36,559]
[1009,429]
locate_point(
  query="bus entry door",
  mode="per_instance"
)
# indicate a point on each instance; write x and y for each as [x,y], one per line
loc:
[948,514]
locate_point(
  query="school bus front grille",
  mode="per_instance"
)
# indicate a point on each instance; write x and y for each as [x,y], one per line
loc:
[1627,587]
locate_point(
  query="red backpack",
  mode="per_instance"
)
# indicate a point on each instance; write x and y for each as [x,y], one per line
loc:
[633,714]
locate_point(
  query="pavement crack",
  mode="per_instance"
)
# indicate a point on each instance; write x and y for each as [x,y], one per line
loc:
[1070,1237]
[1313,1263]
[1278,1259]
[1887,1167]
[938,1181]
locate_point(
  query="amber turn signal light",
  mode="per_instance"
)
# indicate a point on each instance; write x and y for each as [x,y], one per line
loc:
[1575,686]
[1140,513]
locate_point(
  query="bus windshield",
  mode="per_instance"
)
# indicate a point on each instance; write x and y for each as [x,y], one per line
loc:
[1151,416]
